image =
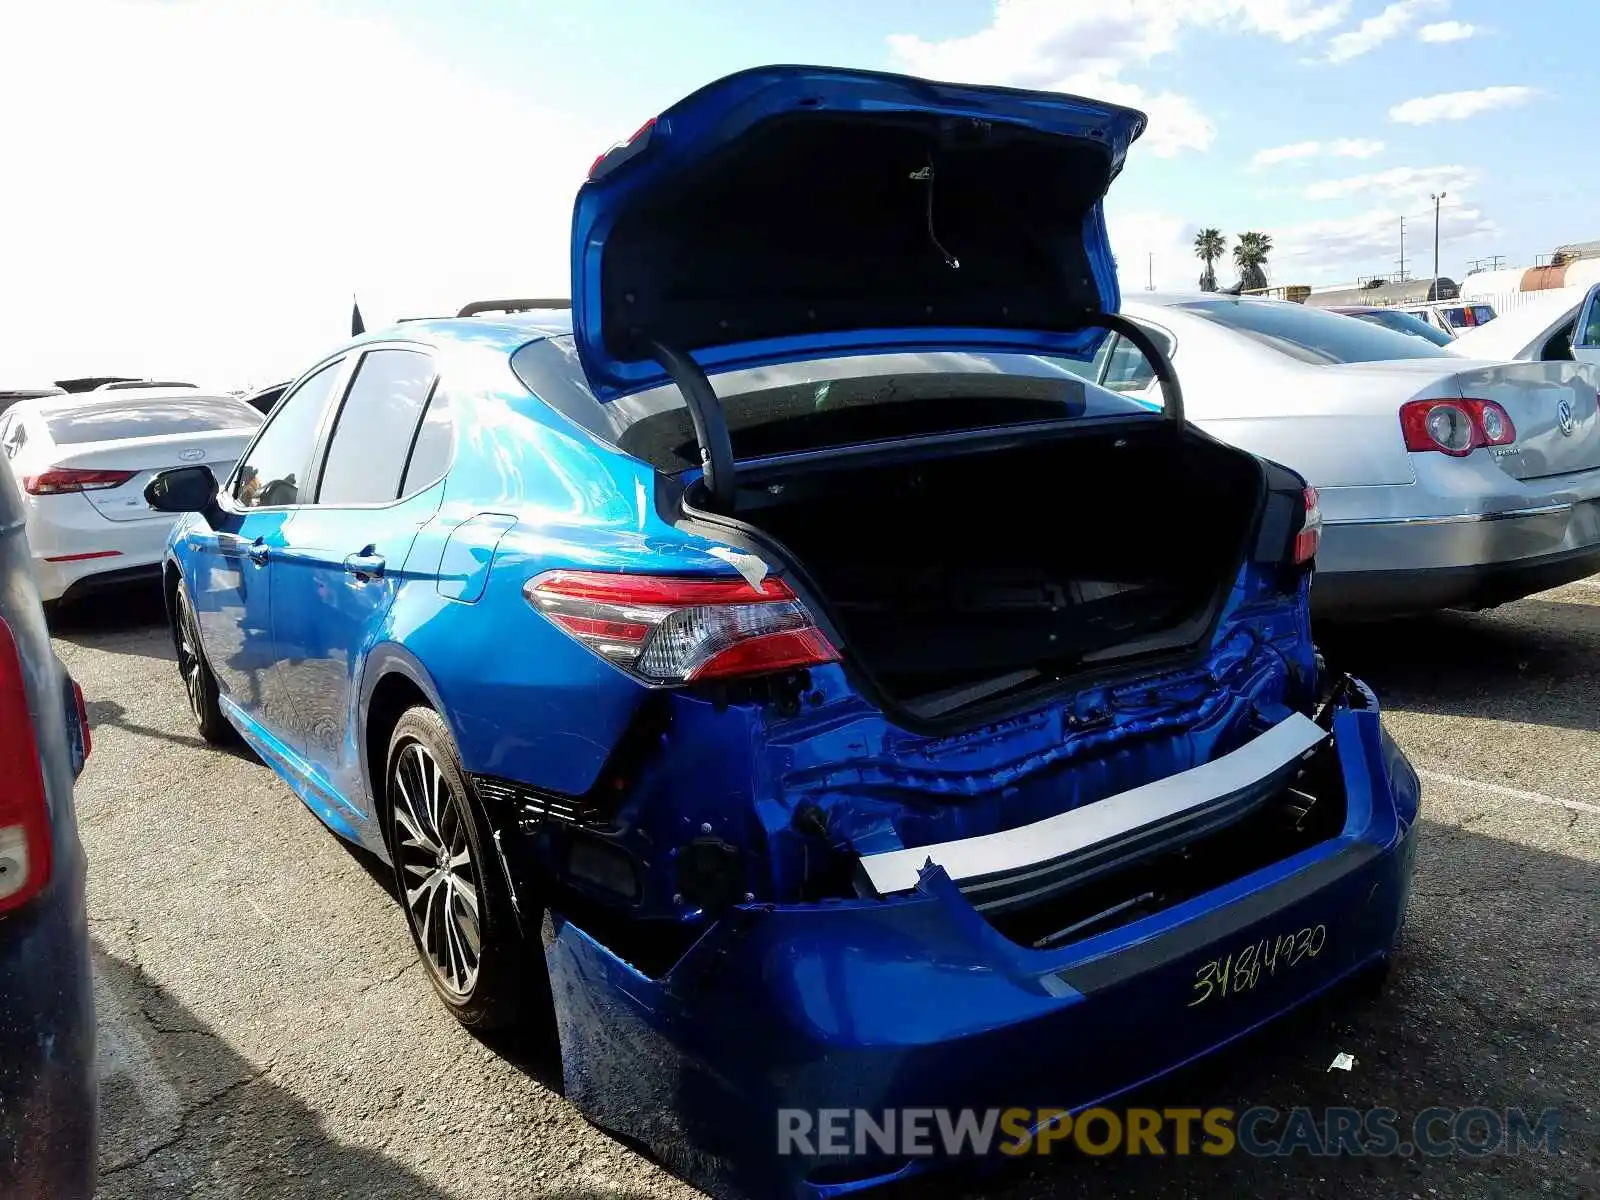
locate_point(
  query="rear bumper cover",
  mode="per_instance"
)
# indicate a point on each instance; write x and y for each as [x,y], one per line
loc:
[917,1001]
[1419,564]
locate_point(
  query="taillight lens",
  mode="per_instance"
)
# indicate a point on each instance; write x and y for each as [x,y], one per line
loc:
[613,158]
[24,813]
[1455,427]
[78,725]
[1309,538]
[670,629]
[67,479]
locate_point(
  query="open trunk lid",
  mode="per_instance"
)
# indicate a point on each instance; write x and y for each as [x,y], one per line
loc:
[791,213]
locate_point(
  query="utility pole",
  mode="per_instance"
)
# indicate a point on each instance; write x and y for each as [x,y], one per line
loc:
[1151,285]
[1433,291]
[1402,249]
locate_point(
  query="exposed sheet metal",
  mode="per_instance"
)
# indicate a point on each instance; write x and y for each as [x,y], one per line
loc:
[1104,820]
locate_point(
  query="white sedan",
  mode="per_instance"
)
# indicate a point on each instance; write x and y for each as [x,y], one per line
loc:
[82,462]
[1561,325]
[1449,478]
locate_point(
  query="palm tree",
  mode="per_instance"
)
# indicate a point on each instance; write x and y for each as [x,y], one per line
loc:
[1209,245]
[1250,256]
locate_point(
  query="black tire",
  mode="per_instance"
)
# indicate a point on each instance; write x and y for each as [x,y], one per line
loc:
[199,681]
[506,984]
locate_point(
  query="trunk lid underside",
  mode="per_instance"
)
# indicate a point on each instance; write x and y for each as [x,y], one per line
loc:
[797,212]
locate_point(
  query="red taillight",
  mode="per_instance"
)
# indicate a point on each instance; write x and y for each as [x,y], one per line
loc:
[80,713]
[69,479]
[1455,427]
[24,814]
[1310,535]
[622,151]
[671,629]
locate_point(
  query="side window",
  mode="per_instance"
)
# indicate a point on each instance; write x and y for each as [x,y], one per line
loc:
[372,439]
[13,435]
[1589,324]
[434,447]
[275,468]
[1127,370]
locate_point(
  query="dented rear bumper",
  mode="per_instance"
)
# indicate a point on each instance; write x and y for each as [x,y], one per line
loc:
[919,1001]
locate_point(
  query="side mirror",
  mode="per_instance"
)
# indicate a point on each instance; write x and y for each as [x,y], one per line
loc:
[182,490]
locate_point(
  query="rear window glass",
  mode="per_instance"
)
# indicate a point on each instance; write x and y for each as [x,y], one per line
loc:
[1404,322]
[118,420]
[1469,316]
[1313,335]
[794,407]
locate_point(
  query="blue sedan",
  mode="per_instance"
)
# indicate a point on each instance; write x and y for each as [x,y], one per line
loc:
[782,675]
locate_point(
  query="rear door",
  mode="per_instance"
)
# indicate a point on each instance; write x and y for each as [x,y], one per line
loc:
[1586,333]
[228,561]
[344,555]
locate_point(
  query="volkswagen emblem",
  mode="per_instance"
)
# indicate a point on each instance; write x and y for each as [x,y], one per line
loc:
[1564,418]
[197,454]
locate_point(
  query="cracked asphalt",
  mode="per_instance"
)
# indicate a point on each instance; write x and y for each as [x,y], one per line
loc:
[264,1030]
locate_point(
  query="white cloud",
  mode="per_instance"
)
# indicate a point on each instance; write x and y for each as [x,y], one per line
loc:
[1355,148]
[1458,106]
[1303,152]
[1400,183]
[1144,241]
[1336,251]
[1446,31]
[1374,31]
[208,183]
[1085,47]
[1296,152]
[1287,20]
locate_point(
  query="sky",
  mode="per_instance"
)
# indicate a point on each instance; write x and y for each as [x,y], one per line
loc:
[197,188]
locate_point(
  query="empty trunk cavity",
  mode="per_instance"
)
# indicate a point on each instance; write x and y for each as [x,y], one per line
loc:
[969,572]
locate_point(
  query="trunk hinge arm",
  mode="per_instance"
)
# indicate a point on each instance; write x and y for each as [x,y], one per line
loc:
[1171,392]
[710,424]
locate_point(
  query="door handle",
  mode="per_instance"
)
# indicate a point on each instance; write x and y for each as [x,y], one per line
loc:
[367,564]
[232,543]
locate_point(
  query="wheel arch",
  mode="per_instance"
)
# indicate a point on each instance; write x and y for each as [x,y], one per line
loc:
[392,682]
[171,576]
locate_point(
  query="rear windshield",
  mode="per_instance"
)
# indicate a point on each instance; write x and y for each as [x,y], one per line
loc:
[1313,335]
[795,407]
[1404,322]
[118,420]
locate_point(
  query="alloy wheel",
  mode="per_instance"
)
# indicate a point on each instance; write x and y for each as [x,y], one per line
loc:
[190,664]
[438,879]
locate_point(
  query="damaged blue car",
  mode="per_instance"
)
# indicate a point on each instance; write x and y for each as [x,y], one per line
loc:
[781,672]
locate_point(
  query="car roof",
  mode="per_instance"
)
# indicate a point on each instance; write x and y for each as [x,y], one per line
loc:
[1173,299]
[73,401]
[506,332]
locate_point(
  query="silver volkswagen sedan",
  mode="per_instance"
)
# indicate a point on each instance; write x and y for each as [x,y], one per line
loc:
[1445,482]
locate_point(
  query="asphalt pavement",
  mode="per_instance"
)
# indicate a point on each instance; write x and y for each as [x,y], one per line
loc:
[265,1029]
